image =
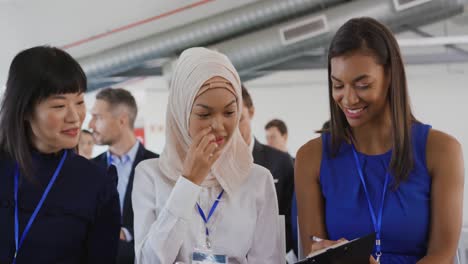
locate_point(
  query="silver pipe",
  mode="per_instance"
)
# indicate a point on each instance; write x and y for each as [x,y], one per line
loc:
[204,32]
[265,47]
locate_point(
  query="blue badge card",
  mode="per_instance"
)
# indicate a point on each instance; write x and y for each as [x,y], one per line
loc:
[208,257]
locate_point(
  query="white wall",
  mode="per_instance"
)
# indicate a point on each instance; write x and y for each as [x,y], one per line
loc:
[300,98]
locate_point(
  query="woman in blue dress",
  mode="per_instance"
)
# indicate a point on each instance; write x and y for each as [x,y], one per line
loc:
[377,169]
[55,206]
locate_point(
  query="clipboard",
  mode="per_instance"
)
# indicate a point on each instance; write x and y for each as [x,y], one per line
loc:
[356,251]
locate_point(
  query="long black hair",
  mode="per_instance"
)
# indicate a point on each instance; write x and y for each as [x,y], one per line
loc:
[368,35]
[34,75]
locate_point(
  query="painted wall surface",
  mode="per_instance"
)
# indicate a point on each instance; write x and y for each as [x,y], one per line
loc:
[300,98]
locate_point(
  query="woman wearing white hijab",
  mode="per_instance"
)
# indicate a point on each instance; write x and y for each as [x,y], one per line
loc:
[204,195]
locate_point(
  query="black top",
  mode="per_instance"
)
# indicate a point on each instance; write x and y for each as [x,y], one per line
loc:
[79,221]
[126,254]
[281,167]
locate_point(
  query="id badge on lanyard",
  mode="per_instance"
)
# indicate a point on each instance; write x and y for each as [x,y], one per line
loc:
[204,254]
[376,220]
[207,256]
[19,240]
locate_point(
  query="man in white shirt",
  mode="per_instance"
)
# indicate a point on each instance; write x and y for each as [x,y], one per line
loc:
[113,118]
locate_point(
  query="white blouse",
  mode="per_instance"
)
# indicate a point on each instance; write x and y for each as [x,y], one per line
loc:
[168,226]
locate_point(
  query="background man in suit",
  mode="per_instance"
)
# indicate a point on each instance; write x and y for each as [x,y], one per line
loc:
[277,135]
[278,162]
[113,119]
[86,144]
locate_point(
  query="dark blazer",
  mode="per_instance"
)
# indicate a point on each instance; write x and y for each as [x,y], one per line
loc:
[126,253]
[79,221]
[281,167]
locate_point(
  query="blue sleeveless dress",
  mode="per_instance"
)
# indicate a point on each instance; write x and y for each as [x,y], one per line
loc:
[406,211]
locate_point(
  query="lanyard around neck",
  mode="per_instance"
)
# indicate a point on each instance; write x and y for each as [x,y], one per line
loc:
[19,243]
[206,219]
[376,221]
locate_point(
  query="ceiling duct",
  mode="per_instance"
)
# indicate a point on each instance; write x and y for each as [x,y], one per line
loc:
[201,33]
[290,40]
[304,29]
[405,4]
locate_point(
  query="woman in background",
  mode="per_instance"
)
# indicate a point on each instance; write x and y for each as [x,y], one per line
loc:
[86,144]
[204,197]
[55,206]
[377,169]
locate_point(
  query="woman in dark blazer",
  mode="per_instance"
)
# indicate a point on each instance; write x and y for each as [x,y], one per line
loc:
[55,206]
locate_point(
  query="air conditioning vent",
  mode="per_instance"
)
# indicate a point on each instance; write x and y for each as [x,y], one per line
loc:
[305,29]
[401,5]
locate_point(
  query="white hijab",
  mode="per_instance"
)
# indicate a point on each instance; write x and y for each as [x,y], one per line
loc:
[194,67]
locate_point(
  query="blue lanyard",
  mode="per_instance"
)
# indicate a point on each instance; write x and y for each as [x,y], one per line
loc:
[38,207]
[109,160]
[205,219]
[376,222]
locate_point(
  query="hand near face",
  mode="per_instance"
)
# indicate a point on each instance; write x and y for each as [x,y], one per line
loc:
[201,155]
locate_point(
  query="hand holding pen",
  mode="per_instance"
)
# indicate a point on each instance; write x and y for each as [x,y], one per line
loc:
[320,243]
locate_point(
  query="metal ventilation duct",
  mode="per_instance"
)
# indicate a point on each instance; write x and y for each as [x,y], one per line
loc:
[291,40]
[204,32]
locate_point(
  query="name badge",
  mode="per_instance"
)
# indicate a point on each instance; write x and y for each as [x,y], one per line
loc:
[206,256]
